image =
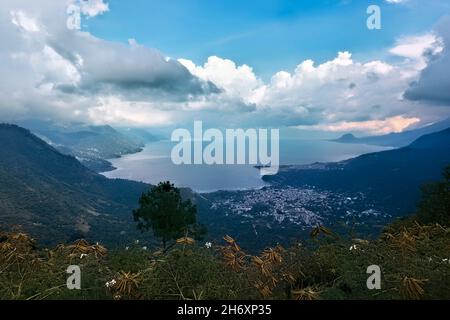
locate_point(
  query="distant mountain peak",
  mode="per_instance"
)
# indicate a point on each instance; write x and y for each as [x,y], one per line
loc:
[400,139]
[348,137]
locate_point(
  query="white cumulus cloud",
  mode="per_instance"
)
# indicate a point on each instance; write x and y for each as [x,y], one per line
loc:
[91,8]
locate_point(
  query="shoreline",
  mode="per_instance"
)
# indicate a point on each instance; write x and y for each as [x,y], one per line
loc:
[161,171]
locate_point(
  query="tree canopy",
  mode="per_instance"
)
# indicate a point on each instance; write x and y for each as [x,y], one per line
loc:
[164,211]
[435,204]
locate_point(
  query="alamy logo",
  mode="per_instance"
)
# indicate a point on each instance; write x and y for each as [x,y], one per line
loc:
[374,280]
[374,19]
[213,147]
[74,280]
[74,20]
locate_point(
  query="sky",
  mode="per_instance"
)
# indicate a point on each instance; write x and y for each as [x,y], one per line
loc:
[312,65]
[268,35]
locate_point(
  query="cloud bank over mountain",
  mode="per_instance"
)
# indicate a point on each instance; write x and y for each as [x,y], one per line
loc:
[51,71]
[433,85]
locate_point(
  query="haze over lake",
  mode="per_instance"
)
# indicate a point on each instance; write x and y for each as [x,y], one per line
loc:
[154,165]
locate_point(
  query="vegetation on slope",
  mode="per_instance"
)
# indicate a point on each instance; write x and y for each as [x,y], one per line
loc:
[414,263]
[57,199]
[413,257]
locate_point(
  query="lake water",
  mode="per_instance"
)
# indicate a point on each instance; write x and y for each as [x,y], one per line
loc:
[154,165]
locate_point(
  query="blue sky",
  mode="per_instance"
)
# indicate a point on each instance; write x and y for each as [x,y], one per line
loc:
[268,35]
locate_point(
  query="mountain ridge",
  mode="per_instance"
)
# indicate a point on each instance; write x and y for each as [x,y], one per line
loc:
[92,145]
[400,139]
[54,197]
[392,176]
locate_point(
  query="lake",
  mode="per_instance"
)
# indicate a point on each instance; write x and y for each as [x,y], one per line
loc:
[154,165]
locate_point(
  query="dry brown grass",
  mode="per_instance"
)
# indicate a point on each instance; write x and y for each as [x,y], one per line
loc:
[411,288]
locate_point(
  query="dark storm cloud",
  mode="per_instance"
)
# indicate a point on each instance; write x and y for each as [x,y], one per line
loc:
[107,67]
[433,85]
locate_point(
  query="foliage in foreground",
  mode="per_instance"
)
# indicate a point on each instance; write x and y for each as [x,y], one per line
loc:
[414,260]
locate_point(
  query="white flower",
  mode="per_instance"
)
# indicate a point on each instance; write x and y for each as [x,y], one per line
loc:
[137,242]
[208,245]
[353,247]
[127,248]
[83,255]
[144,248]
[111,283]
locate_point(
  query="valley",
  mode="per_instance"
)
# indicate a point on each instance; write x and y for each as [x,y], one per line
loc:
[56,198]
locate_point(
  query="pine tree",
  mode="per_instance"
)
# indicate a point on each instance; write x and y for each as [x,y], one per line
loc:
[163,210]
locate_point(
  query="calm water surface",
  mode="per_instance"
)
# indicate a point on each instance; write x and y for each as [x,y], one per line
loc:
[153,165]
